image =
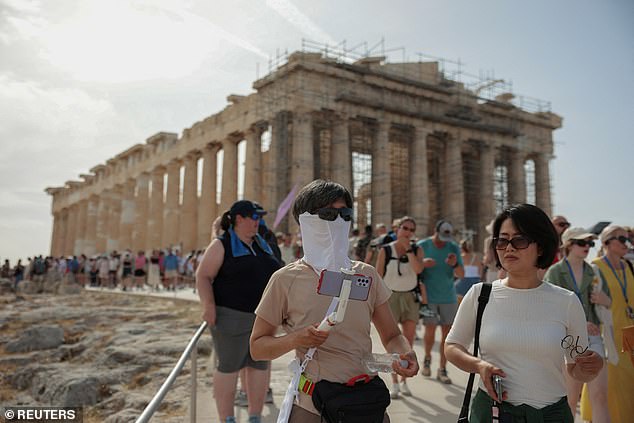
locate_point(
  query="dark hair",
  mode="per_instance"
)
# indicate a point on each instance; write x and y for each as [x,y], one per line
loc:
[406,219]
[319,194]
[226,221]
[532,222]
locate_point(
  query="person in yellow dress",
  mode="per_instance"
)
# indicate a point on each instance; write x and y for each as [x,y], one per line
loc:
[617,274]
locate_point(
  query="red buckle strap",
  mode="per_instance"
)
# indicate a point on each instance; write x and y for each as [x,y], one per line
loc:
[354,380]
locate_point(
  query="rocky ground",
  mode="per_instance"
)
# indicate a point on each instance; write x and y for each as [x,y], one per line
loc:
[109,353]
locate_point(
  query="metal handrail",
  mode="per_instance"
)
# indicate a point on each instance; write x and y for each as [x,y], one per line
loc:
[160,395]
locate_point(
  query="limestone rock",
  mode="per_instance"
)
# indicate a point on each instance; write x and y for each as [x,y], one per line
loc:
[38,338]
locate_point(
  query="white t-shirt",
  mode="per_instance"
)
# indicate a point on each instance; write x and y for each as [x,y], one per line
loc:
[406,281]
[521,333]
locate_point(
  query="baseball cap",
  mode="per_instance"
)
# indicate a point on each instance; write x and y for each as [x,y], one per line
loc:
[608,231]
[576,233]
[246,208]
[444,230]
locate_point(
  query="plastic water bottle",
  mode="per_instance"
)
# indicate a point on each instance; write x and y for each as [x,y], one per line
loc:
[382,362]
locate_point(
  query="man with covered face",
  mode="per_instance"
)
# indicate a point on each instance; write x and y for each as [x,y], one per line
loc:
[324,211]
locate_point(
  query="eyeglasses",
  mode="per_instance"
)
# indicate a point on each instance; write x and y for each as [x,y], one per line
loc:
[622,239]
[253,216]
[582,242]
[563,224]
[518,242]
[331,213]
[407,228]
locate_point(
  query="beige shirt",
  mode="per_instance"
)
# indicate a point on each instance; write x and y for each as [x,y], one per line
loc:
[291,300]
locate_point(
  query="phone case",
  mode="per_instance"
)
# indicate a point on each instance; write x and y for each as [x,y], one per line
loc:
[330,285]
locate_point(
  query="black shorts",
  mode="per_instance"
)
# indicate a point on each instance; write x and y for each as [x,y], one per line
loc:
[139,272]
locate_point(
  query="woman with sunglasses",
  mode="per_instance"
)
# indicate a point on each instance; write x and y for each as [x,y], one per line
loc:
[291,301]
[619,278]
[399,264]
[231,279]
[529,328]
[574,274]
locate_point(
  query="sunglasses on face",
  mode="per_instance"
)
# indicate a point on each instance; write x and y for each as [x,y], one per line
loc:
[408,229]
[622,239]
[330,213]
[563,224]
[518,242]
[582,242]
[253,216]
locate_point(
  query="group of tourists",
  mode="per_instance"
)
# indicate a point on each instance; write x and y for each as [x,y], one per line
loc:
[546,337]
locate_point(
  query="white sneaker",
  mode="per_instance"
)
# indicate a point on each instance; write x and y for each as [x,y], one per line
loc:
[394,391]
[405,389]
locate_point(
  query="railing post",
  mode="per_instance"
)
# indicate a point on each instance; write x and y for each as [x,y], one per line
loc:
[194,384]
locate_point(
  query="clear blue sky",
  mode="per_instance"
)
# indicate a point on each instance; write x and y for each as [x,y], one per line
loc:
[81,81]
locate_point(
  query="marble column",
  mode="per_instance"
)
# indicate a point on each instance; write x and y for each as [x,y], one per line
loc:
[82,210]
[341,157]
[141,208]
[55,234]
[113,197]
[542,182]
[517,178]
[63,228]
[229,188]
[381,178]
[128,214]
[277,170]
[189,209]
[486,206]
[155,221]
[102,225]
[419,183]
[207,211]
[253,166]
[69,244]
[170,215]
[454,177]
[90,238]
[302,159]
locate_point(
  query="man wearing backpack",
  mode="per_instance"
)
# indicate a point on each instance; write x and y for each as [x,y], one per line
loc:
[438,278]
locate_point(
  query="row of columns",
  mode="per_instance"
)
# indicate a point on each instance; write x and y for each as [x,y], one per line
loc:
[130,216]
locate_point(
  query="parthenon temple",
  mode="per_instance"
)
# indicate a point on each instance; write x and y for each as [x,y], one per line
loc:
[405,138]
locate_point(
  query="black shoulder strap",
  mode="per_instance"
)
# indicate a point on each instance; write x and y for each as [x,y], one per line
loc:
[629,264]
[483,299]
[387,249]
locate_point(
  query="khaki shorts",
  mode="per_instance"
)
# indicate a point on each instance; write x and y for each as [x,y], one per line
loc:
[404,306]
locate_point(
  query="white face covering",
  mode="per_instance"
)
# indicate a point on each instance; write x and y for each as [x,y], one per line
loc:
[325,243]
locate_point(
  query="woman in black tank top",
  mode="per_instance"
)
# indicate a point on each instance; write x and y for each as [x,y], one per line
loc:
[230,280]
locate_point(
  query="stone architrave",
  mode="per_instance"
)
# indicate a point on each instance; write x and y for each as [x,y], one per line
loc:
[189,208]
[91,227]
[229,188]
[302,160]
[381,178]
[128,215]
[207,208]
[455,182]
[253,165]
[419,190]
[102,225]
[170,217]
[542,182]
[155,220]
[113,197]
[517,178]
[486,206]
[341,158]
[141,209]
[82,211]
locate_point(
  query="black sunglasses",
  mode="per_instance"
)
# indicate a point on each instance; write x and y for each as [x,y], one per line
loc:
[582,242]
[254,216]
[330,213]
[518,242]
[622,239]
[563,224]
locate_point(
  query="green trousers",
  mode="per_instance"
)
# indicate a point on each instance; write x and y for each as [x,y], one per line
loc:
[558,412]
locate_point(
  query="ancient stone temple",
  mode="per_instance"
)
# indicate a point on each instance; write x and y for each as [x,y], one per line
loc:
[404,137]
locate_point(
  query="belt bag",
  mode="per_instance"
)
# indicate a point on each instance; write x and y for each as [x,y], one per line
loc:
[352,402]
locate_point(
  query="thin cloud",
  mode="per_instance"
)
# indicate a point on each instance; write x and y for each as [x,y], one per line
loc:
[295,17]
